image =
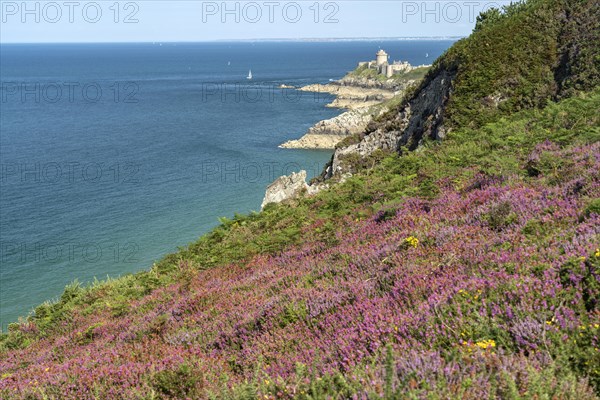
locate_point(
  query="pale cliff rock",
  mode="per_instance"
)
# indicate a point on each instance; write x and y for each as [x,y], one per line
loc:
[421,116]
[286,188]
[364,97]
[314,141]
[328,133]
[351,97]
[359,101]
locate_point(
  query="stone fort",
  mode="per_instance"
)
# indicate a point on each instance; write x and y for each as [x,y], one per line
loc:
[383,66]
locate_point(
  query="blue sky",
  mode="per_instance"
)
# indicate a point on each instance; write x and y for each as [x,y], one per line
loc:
[193,20]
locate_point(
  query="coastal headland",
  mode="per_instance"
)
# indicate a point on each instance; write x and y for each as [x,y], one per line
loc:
[365,93]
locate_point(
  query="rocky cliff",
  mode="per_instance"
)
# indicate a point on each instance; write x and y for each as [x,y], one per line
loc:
[351,96]
[328,133]
[365,97]
[478,81]
[285,187]
[421,116]
[472,85]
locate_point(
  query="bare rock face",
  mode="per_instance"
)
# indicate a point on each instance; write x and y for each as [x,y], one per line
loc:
[314,141]
[351,97]
[421,117]
[285,188]
[363,98]
[326,134]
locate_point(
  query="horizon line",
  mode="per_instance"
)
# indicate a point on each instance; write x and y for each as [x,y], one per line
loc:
[323,39]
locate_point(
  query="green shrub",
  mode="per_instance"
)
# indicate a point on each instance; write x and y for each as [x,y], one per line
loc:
[500,216]
[183,382]
[592,208]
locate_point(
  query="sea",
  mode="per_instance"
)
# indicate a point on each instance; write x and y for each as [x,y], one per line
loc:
[114,155]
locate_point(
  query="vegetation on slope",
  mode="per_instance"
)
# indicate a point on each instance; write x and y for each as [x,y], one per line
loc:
[371,73]
[466,269]
[525,56]
[429,274]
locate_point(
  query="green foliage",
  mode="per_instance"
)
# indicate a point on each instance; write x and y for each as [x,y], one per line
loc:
[487,18]
[492,137]
[371,73]
[390,371]
[496,72]
[533,228]
[183,382]
[592,208]
[500,216]
[15,339]
[494,15]
[293,312]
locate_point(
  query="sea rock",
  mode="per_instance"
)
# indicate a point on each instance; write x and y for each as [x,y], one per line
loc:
[351,97]
[314,141]
[363,97]
[286,188]
[328,133]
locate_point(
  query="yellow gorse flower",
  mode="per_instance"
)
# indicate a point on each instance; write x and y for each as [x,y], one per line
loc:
[597,253]
[412,241]
[485,344]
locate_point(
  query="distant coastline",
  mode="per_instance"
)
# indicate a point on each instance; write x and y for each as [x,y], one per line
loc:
[358,39]
[257,40]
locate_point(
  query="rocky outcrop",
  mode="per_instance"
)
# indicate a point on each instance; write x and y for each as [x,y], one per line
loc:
[365,97]
[391,85]
[314,142]
[420,117]
[286,188]
[351,97]
[360,102]
[328,133]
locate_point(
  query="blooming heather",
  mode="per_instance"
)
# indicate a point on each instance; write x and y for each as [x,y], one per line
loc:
[498,280]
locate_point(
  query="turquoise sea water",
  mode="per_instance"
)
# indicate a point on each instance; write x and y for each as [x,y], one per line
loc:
[113,155]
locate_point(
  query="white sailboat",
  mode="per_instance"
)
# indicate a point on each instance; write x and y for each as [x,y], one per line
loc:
[249,74]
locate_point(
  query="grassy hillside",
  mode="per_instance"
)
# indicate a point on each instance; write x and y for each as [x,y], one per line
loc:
[469,268]
[431,273]
[371,73]
[531,53]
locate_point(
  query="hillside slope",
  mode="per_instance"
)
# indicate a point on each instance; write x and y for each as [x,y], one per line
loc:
[469,268]
[533,53]
[465,271]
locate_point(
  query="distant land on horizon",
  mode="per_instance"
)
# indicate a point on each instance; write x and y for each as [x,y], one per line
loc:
[350,39]
[342,39]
